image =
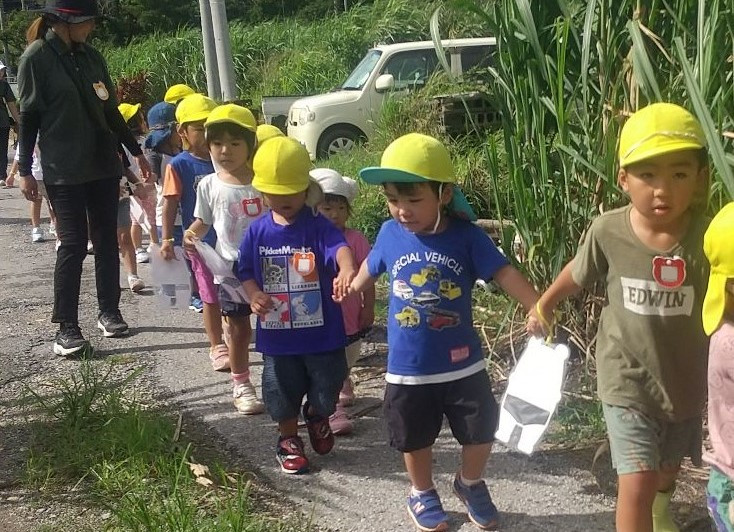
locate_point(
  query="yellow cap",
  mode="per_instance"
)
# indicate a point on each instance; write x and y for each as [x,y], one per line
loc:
[128,110]
[176,93]
[416,158]
[658,129]
[717,244]
[267,131]
[281,167]
[232,114]
[193,108]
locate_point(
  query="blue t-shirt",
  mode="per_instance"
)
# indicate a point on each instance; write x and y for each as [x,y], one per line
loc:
[190,170]
[295,265]
[429,326]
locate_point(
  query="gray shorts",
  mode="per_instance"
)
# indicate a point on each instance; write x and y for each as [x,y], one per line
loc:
[123,214]
[639,442]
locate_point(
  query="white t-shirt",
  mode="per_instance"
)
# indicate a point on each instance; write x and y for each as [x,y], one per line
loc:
[230,209]
[36,170]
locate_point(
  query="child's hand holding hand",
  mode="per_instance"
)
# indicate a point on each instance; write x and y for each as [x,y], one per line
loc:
[260,303]
[342,284]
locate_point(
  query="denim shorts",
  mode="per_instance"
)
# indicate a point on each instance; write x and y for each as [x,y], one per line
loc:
[287,379]
[639,442]
[720,500]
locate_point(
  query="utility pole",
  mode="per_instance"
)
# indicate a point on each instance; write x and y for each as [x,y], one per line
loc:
[224,49]
[213,87]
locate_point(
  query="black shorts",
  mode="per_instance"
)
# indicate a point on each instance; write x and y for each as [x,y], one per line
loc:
[415,412]
[230,308]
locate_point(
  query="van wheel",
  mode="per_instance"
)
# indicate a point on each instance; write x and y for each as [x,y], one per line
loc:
[337,140]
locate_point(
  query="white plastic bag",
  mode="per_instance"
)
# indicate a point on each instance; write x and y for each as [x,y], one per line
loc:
[532,395]
[171,279]
[222,272]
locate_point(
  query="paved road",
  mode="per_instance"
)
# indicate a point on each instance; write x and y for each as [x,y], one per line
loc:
[360,486]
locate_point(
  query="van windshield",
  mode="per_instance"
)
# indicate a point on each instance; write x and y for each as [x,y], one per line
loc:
[359,75]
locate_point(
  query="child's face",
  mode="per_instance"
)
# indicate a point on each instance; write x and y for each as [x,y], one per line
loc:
[193,135]
[662,188]
[337,211]
[230,153]
[288,205]
[416,210]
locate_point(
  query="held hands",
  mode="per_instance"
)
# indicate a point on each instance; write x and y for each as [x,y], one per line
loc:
[142,190]
[537,324]
[260,303]
[342,284]
[29,187]
[145,171]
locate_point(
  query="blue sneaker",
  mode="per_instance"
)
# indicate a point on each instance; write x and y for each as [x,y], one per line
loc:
[196,304]
[426,511]
[478,502]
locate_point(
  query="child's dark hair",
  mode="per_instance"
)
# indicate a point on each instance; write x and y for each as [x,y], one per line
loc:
[137,124]
[217,131]
[336,198]
[409,188]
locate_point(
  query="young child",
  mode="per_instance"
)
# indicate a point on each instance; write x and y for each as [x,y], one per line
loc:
[433,255]
[182,177]
[718,322]
[650,347]
[288,265]
[37,234]
[138,126]
[130,186]
[358,309]
[226,201]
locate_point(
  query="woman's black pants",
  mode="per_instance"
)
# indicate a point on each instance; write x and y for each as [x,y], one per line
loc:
[78,207]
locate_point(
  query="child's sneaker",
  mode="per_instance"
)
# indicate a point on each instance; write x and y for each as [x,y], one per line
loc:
[346,395]
[245,399]
[219,356]
[319,432]
[37,234]
[135,283]
[426,511]
[339,422]
[196,304]
[478,502]
[291,456]
[141,256]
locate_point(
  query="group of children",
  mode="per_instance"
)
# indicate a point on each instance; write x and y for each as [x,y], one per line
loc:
[252,194]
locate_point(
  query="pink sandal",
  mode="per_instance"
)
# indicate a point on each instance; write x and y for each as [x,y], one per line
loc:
[219,355]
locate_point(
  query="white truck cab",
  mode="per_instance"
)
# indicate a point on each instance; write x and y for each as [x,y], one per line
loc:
[331,123]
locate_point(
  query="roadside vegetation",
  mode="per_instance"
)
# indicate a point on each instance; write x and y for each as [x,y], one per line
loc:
[94,434]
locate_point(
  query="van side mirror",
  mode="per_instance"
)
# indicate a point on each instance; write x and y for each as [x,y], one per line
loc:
[384,83]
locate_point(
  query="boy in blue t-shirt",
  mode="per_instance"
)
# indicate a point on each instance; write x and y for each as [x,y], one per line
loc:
[433,255]
[292,263]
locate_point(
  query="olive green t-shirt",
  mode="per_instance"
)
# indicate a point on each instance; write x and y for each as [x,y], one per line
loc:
[68,136]
[651,349]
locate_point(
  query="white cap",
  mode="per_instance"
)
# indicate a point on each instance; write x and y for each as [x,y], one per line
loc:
[332,182]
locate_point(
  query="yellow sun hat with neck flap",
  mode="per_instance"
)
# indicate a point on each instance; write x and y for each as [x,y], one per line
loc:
[718,244]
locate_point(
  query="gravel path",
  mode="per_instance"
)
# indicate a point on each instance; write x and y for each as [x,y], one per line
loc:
[360,486]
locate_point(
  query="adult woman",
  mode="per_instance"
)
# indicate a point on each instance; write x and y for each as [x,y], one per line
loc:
[7,104]
[68,99]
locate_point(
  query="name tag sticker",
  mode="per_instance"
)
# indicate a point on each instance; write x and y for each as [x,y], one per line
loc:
[459,353]
[101,91]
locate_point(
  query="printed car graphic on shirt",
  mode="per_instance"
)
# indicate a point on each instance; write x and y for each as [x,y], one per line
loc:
[429,273]
[408,317]
[402,290]
[425,299]
[439,319]
[449,289]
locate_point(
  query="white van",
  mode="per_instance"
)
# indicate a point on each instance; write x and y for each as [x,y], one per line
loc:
[330,123]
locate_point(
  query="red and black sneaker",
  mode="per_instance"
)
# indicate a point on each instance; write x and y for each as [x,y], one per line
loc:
[291,456]
[319,431]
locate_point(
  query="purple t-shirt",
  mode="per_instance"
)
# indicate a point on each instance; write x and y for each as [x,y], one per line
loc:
[295,265]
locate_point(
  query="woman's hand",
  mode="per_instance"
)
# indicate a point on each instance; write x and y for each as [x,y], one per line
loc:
[29,187]
[145,172]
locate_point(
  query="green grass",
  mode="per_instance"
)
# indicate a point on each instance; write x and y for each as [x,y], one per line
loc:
[578,421]
[128,459]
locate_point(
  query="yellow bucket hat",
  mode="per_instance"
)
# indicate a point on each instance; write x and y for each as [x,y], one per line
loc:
[128,110]
[717,244]
[657,129]
[281,167]
[176,93]
[232,114]
[267,131]
[193,108]
[417,158]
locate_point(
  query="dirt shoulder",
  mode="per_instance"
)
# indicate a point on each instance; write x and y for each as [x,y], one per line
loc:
[360,486]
